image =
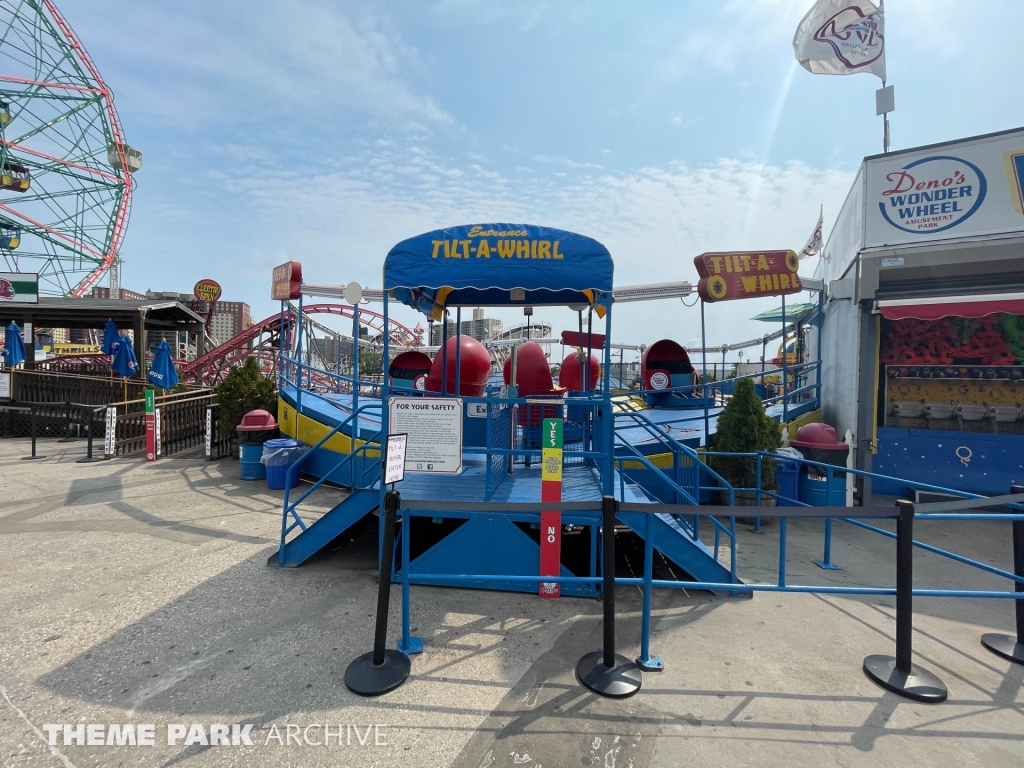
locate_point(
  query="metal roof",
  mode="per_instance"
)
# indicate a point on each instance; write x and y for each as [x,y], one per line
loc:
[60,312]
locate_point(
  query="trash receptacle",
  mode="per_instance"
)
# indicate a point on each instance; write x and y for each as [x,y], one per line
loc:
[816,490]
[278,456]
[787,473]
[250,465]
[256,428]
[818,442]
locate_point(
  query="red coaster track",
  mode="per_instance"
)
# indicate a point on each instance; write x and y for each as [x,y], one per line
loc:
[261,340]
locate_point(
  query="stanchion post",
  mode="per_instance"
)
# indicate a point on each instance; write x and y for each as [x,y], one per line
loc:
[900,675]
[67,425]
[33,428]
[89,458]
[1007,646]
[382,669]
[606,672]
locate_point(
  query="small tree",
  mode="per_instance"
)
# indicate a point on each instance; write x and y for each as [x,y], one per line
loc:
[244,389]
[744,427]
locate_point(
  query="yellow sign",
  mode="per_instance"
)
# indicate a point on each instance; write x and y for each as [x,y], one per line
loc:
[503,249]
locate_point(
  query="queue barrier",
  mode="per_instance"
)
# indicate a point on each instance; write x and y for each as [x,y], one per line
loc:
[610,674]
[32,415]
[83,408]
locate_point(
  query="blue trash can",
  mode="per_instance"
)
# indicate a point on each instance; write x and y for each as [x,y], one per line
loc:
[252,468]
[278,456]
[818,492]
[787,474]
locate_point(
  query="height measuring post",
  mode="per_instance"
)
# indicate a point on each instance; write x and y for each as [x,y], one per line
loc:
[150,425]
[551,521]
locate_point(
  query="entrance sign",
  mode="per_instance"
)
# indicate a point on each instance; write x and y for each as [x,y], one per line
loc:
[22,287]
[550,490]
[394,460]
[434,429]
[110,434]
[286,283]
[746,275]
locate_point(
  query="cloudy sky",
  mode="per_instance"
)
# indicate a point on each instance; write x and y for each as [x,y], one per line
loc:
[325,132]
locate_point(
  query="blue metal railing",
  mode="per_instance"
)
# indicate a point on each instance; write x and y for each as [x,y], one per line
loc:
[648,583]
[368,475]
[799,373]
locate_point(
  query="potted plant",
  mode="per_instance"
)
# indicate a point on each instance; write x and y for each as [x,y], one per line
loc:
[744,427]
[244,389]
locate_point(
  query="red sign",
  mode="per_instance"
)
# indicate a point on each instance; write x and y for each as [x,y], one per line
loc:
[747,274]
[207,290]
[286,282]
[573,339]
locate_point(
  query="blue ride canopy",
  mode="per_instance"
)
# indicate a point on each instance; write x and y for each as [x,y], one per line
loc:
[498,265]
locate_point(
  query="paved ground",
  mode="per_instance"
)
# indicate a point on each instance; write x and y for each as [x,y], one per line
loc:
[140,594]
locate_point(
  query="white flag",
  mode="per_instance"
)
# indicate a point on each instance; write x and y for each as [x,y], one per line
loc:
[814,242]
[842,37]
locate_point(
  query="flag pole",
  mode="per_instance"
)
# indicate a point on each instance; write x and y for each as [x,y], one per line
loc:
[885,129]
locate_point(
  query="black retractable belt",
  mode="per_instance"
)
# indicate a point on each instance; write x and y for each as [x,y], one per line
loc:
[1009,647]
[89,458]
[67,425]
[900,675]
[382,669]
[606,672]
[33,422]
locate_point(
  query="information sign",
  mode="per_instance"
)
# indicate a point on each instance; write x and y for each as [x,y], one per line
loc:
[394,460]
[434,429]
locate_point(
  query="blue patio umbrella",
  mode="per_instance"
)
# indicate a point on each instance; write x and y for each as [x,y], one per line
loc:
[161,372]
[14,345]
[110,337]
[124,362]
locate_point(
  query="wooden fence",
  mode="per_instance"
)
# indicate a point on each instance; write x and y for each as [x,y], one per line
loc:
[72,406]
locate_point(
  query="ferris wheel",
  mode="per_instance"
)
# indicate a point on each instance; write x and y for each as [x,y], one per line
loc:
[65,168]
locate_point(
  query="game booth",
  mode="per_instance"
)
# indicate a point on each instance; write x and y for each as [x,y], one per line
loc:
[924,325]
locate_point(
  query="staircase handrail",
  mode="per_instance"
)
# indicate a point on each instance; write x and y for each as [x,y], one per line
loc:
[294,468]
[659,434]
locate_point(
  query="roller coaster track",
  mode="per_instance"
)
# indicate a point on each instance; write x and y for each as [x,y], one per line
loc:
[261,340]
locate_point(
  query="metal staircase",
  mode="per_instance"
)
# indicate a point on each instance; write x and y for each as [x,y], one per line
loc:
[677,537]
[351,510]
[363,477]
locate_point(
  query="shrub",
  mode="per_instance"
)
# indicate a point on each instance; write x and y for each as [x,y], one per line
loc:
[744,427]
[244,389]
